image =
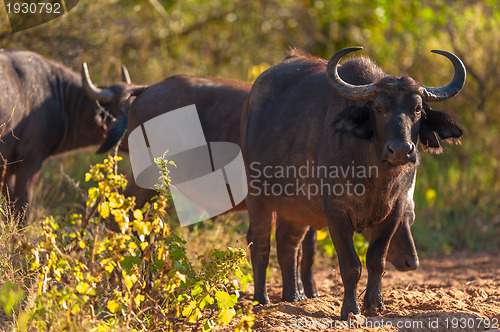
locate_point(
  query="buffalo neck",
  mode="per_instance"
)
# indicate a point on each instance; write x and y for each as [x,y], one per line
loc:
[78,113]
[384,190]
[359,162]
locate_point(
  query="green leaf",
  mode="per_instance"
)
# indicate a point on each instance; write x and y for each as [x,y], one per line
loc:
[225,316]
[192,312]
[206,300]
[196,290]
[130,261]
[62,262]
[10,296]
[245,280]
[224,300]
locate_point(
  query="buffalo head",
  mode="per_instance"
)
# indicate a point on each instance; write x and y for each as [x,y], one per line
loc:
[396,114]
[111,98]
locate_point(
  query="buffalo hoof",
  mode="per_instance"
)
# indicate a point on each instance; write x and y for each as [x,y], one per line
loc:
[311,292]
[373,303]
[301,289]
[263,300]
[348,307]
[295,297]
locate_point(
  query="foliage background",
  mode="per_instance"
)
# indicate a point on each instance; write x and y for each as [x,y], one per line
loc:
[456,195]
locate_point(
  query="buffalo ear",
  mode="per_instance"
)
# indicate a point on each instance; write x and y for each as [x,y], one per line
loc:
[438,124]
[355,120]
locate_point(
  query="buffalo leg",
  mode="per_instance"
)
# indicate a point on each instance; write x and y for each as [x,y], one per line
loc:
[309,246]
[26,178]
[288,238]
[259,236]
[375,264]
[342,232]
[302,294]
[8,184]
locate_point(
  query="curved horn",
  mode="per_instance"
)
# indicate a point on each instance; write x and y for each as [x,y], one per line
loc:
[125,75]
[354,92]
[93,92]
[452,88]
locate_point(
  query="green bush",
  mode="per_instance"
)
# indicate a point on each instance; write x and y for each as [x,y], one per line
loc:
[325,245]
[238,39]
[139,278]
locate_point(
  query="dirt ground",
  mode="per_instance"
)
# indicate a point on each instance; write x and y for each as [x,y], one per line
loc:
[459,291]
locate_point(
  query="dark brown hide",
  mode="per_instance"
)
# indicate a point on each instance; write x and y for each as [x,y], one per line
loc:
[300,112]
[50,115]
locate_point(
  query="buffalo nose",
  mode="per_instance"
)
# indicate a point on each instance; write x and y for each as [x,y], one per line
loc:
[400,153]
[412,263]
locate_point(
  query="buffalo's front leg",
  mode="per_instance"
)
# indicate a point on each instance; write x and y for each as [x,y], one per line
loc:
[341,231]
[309,246]
[375,264]
[288,238]
[26,177]
[259,236]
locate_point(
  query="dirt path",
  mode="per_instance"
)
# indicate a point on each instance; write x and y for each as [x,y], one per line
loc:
[447,292]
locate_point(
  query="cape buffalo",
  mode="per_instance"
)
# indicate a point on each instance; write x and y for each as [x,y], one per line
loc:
[44,111]
[323,152]
[219,103]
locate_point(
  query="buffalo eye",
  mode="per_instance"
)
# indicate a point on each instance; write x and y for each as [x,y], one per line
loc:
[418,110]
[378,109]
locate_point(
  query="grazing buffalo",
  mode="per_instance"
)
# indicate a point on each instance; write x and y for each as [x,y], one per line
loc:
[44,111]
[219,104]
[336,145]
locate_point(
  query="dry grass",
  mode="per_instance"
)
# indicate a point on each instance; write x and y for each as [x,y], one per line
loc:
[13,265]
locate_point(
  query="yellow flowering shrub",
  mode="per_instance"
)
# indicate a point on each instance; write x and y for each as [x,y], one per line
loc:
[138,278]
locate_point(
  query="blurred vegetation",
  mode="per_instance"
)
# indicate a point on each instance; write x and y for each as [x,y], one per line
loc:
[79,275]
[457,192]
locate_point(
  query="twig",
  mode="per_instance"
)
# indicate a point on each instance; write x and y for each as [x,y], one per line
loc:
[160,9]
[4,125]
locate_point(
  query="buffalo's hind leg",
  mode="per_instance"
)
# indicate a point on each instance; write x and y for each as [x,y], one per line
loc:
[309,248]
[259,236]
[289,237]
